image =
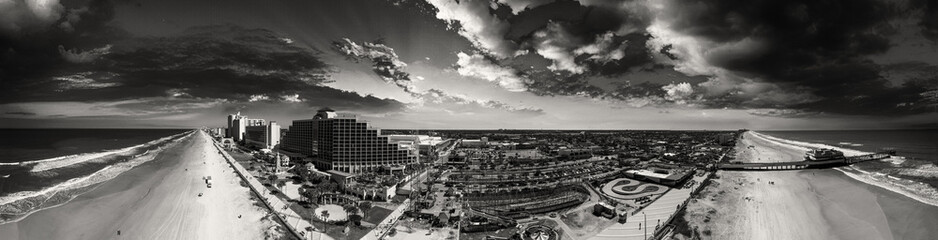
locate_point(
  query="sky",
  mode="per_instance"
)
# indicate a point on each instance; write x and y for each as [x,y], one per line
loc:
[498,64]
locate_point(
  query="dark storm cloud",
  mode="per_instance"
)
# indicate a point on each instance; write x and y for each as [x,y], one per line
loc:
[225,62]
[817,46]
[929,22]
[576,40]
[809,55]
[34,39]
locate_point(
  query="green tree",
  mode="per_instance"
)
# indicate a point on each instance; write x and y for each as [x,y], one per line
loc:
[281,184]
[355,219]
[271,178]
[312,195]
[364,206]
[350,209]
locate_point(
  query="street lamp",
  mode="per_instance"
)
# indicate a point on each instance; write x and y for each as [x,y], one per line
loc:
[646,224]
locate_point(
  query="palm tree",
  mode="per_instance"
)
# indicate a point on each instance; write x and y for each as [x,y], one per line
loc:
[325,216]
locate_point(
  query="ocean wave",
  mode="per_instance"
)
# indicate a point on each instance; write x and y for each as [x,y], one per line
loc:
[21,204]
[69,160]
[805,146]
[916,190]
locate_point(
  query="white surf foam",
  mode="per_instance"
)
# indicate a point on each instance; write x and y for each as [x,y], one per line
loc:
[916,190]
[65,161]
[106,173]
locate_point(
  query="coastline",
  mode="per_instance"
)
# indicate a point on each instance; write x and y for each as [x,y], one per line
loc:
[22,204]
[157,200]
[803,204]
[863,176]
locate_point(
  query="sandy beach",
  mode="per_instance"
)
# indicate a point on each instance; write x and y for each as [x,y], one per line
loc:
[803,204]
[157,200]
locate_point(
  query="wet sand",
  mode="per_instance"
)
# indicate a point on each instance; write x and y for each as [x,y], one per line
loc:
[805,204]
[156,200]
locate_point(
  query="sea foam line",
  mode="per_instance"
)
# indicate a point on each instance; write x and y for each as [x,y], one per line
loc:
[104,174]
[68,160]
[890,183]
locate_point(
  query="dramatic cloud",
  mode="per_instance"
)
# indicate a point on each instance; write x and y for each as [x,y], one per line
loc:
[36,57]
[475,23]
[478,66]
[554,43]
[520,5]
[258,97]
[808,55]
[85,80]
[678,92]
[231,63]
[76,56]
[761,59]
[777,53]
[604,49]
[929,19]
[389,67]
[440,99]
[384,61]
[19,15]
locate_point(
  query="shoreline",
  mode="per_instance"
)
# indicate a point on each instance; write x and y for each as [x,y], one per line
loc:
[866,179]
[82,157]
[157,200]
[803,204]
[76,186]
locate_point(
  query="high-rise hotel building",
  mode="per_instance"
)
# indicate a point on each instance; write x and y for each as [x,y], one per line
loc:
[237,125]
[263,136]
[344,143]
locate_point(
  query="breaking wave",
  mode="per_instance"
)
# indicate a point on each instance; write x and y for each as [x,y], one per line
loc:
[916,190]
[18,205]
[69,160]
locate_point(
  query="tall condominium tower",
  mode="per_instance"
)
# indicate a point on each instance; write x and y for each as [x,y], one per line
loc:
[229,132]
[237,125]
[341,142]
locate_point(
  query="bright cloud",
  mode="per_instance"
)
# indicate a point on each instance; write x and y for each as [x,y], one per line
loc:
[483,29]
[477,66]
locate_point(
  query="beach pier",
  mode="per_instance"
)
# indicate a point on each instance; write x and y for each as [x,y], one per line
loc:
[784,166]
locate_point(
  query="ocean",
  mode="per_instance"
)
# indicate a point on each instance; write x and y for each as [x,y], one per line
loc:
[912,144]
[19,145]
[912,172]
[43,167]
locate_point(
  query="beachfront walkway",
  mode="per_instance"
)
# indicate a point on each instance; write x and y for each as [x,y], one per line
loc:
[658,211]
[288,215]
[389,222]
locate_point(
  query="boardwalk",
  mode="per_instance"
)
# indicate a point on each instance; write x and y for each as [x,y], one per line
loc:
[296,224]
[388,223]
